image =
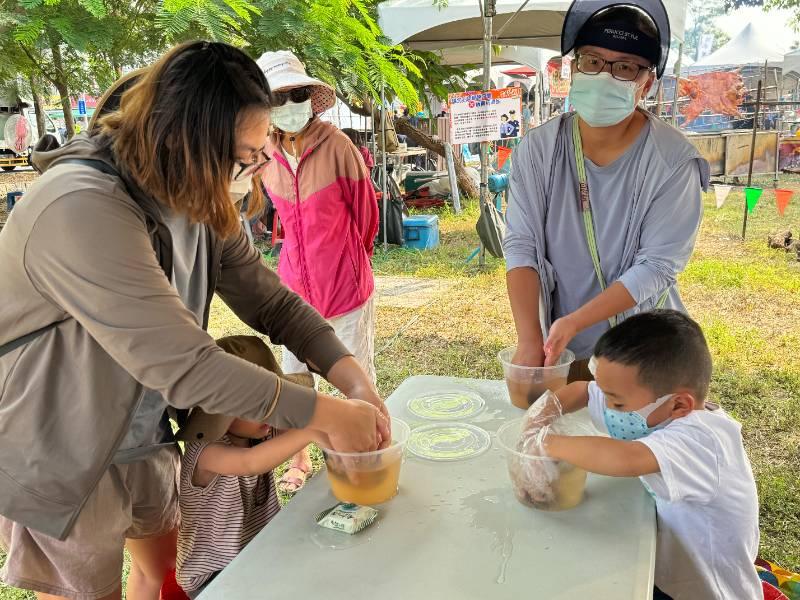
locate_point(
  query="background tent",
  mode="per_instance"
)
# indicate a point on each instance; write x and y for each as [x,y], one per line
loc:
[751,46]
[421,25]
[791,64]
[473,55]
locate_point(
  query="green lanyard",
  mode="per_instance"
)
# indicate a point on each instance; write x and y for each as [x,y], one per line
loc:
[588,221]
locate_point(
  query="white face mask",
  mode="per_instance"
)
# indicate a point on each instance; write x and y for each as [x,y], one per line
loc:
[292,117]
[239,189]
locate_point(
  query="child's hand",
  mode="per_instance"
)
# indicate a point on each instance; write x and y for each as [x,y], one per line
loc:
[544,411]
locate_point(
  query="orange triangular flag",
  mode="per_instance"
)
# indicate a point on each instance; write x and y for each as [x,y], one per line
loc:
[782,198]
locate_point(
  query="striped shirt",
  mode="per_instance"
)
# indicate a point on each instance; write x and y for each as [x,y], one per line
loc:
[220,519]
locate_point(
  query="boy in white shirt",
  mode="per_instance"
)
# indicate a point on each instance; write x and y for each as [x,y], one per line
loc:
[652,378]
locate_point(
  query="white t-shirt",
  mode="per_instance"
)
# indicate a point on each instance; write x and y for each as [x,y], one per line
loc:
[707,506]
[293,162]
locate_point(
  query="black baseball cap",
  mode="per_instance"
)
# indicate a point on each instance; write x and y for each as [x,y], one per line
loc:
[583,25]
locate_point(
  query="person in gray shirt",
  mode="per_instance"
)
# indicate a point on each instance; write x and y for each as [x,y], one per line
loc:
[605,202]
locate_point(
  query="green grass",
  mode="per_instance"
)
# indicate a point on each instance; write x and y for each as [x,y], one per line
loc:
[744,295]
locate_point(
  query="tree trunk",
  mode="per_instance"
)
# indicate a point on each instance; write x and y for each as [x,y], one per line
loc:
[465,182]
[38,105]
[60,83]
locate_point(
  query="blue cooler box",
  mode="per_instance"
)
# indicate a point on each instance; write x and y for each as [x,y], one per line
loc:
[421,231]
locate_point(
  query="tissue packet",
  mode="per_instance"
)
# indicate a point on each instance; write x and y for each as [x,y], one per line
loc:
[347,518]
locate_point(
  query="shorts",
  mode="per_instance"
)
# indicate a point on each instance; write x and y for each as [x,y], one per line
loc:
[135,500]
[356,330]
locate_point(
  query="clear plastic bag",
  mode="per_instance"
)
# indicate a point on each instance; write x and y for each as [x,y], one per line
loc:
[537,479]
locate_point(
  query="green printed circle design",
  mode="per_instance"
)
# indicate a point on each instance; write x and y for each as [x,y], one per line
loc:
[446,406]
[448,441]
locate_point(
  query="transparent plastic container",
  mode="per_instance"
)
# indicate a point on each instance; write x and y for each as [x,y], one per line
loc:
[368,478]
[526,384]
[541,482]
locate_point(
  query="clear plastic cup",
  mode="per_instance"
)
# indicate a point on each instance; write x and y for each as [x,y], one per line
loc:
[530,475]
[368,478]
[526,384]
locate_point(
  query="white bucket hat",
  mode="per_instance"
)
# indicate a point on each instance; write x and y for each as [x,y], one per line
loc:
[284,71]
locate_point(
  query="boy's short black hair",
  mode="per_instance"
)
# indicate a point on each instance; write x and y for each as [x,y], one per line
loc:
[667,347]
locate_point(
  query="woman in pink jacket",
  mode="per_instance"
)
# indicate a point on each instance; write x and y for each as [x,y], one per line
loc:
[324,198]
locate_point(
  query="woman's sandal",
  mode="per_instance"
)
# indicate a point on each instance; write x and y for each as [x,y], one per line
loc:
[293,480]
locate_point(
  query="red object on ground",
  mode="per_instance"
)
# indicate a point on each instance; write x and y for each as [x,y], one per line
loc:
[170,590]
[772,593]
[423,203]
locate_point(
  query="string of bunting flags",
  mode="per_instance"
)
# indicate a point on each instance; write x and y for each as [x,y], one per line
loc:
[752,196]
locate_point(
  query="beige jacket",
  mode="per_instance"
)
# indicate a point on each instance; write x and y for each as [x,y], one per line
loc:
[79,249]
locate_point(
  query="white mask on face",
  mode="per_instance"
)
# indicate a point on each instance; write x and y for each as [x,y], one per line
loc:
[292,117]
[239,189]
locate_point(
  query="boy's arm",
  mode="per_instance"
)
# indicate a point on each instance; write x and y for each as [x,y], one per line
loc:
[603,455]
[574,396]
[219,459]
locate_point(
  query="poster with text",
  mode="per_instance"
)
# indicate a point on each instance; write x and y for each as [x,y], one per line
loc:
[485,116]
[559,85]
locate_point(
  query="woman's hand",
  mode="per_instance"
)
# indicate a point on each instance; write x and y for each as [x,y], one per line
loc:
[348,375]
[369,393]
[561,333]
[349,425]
[528,355]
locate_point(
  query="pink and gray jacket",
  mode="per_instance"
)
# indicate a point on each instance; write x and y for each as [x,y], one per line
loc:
[329,214]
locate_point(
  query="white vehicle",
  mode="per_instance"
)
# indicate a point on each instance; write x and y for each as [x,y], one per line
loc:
[18,132]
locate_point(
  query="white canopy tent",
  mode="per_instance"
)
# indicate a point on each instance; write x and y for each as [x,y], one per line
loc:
[791,64]
[421,25]
[751,46]
[473,55]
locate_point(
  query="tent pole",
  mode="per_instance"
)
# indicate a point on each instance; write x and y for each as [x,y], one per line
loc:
[488,13]
[677,71]
[384,182]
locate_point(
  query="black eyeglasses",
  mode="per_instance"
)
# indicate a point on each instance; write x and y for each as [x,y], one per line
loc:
[623,70]
[296,95]
[257,163]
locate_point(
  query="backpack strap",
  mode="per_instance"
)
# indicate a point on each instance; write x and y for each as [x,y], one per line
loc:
[29,337]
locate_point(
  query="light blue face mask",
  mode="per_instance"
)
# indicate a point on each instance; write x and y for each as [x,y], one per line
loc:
[632,425]
[601,100]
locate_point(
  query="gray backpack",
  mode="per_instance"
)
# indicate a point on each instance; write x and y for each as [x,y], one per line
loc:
[491,228]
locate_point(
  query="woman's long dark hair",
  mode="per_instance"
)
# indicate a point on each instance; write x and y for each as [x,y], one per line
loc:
[175,129]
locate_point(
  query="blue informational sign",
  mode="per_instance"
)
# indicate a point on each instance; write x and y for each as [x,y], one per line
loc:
[82,107]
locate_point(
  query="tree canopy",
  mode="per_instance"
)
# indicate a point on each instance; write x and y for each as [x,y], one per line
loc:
[73,46]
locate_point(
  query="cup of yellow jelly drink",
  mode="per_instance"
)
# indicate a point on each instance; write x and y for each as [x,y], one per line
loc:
[526,384]
[539,481]
[368,478]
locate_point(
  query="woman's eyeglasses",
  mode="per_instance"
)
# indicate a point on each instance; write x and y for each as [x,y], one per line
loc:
[296,95]
[257,163]
[624,70]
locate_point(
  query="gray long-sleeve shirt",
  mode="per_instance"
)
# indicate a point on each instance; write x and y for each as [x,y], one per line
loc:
[646,208]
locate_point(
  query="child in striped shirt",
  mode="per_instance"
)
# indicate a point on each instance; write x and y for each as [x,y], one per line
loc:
[227,493]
